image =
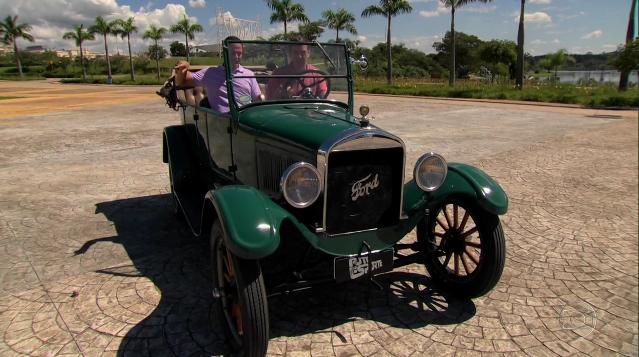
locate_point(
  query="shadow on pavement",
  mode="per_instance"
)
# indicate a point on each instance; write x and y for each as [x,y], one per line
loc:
[163,251]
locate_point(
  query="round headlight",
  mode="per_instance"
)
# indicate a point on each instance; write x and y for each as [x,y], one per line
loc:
[430,171]
[301,184]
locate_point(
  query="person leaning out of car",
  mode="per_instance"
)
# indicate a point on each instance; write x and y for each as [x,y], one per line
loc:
[213,79]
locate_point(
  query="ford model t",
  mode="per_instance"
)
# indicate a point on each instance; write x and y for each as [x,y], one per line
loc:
[295,190]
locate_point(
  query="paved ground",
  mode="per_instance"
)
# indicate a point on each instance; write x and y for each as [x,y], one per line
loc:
[92,262]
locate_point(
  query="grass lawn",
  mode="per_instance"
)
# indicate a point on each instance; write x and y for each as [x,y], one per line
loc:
[1,98]
[595,96]
[140,79]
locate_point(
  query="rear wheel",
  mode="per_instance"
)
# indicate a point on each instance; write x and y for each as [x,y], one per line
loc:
[465,247]
[241,302]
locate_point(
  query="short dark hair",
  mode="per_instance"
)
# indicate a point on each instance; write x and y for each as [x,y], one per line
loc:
[232,38]
[299,38]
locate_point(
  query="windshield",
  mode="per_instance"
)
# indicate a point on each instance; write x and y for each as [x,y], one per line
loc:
[288,71]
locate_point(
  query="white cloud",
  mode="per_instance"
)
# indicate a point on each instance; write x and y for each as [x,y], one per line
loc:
[52,18]
[609,47]
[538,42]
[279,28]
[422,43]
[362,39]
[441,9]
[592,35]
[571,16]
[226,17]
[535,17]
[197,3]
[479,9]
[541,2]
[555,41]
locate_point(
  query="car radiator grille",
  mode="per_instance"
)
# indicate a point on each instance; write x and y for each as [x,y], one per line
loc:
[363,189]
[271,166]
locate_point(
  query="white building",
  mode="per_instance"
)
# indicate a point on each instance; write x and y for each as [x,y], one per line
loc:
[75,52]
[603,76]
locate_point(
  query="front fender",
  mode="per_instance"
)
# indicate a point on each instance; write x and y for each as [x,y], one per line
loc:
[250,220]
[463,180]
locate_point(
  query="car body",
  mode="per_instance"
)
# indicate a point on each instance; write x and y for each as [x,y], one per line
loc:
[298,191]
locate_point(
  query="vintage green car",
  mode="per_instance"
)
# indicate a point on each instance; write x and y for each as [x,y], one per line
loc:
[296,191]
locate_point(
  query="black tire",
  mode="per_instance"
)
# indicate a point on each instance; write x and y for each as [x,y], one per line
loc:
[465,247]
[242,305]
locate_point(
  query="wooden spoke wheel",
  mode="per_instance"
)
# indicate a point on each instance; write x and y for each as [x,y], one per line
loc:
[465,247]
[241,303]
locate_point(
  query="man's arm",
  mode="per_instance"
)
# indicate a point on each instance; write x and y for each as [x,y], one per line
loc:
[256,92]
[183,76]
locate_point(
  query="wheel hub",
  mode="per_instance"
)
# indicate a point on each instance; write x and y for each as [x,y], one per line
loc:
[454,242]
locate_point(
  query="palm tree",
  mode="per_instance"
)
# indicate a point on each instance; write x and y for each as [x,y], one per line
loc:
[388,9]
[11,31]
[155,33]
[454,4]
[340,20]
[520,48]
[105,28]
[558,59]
[125,28]
[311,30]
[79,35]
[188,29]
[286,11]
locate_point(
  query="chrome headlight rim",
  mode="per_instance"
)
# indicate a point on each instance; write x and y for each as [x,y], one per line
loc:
[418,164]
[284,184]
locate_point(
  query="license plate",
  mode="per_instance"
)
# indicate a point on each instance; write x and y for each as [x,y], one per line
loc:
[354,267]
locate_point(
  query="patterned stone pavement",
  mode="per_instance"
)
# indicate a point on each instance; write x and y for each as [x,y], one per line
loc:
[93,262]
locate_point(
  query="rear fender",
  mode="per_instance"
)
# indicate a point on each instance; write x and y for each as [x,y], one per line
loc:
[250,220]
[462,180]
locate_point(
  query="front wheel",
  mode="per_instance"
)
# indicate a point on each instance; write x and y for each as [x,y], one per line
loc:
[465,247]
[239,289]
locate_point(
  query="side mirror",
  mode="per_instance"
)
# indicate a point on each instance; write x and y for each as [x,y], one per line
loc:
[362,62]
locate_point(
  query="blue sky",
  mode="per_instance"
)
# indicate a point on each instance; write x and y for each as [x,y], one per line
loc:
[579,26]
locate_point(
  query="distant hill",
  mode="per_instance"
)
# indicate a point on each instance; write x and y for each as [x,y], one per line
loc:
[586,62]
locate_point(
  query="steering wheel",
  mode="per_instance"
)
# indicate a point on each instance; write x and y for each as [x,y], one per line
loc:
[306,91]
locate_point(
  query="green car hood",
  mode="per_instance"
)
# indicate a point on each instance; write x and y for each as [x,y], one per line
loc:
[306,124]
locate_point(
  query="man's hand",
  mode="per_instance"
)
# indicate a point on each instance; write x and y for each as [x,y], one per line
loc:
[182,73]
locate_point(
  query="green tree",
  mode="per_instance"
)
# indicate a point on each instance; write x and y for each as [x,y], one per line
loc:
[519,76]
[388,9]
[11,31]
[454,5]
[498,56]
[79,35]
[286,11]
[626,60]
[338,20]
[311,30]
[186,27]
[545,64]
[157,51]
[559,59]
[177,49]
[155,33]
[467,50]
[125,28]
[105,28]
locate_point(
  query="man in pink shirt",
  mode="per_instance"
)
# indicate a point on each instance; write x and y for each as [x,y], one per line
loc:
[213,79]
[282,88]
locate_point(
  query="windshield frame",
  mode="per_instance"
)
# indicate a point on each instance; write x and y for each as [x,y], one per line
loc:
[235,108]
